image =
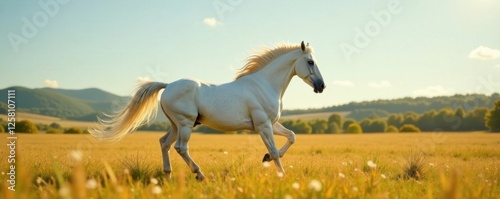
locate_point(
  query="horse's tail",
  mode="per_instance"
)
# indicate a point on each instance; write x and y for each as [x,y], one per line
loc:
[140,110]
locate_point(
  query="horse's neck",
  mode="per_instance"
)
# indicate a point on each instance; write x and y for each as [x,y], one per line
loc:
[279,72]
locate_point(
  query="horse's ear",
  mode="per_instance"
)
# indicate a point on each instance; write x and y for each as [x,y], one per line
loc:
[307,44]
[302,46]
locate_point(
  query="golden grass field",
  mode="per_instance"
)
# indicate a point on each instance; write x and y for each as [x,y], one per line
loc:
[455,165]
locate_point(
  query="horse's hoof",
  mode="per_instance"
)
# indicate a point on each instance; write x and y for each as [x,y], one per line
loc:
[267,158]
[168,174]
[199,177]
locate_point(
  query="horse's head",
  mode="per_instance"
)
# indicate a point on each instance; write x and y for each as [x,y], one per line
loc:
[307,69]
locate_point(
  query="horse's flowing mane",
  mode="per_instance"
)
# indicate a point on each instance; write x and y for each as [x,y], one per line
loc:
[264,56]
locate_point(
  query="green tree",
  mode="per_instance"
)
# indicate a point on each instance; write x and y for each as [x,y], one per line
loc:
[54,131]
[378,125]
[460,112]
[302,127]
[334,123]
[475,120]
[334,128]
[26,126]
[42,127]
[391,129]
[492,118]
[365,125]
[410,118]
[297,126]
[347,122]
[426,121]
[2,130]
[410,128]
[335,118]
[354,128]
[395,120]
[318,126]
[73,130]
[445,120]
[55,125]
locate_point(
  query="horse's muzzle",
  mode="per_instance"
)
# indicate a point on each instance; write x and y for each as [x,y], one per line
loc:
[319,85]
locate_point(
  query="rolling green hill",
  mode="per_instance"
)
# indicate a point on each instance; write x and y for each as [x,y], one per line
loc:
[89,94]
[68,104]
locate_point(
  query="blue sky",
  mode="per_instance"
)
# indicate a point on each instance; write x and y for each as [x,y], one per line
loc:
[366,50]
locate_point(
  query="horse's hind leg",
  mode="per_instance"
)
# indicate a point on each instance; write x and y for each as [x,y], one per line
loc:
[166,142]
[182,148]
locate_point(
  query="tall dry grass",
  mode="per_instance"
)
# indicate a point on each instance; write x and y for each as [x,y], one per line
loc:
[318,166]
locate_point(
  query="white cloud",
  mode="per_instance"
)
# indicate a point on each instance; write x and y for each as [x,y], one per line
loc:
[482,52]
[343,83]
[51,83]
[432,91]
[381,84]
[498,65]
[210,21]
[143,79]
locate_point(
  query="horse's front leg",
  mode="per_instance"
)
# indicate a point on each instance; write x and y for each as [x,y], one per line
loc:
[265,129]
[279,129]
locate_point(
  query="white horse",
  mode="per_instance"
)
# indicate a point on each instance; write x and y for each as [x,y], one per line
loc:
[252,101]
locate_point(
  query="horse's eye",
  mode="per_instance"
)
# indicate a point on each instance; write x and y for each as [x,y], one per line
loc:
[310,62]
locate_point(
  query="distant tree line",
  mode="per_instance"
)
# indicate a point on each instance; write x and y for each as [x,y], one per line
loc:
[446,119]
[418,105]
[27,126]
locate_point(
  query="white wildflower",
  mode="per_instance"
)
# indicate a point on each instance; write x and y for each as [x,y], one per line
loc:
[355,189]
[341,175]
[371,164]
[383,176]
[76,155]
[153,181]
[39,180]
[296,185]
[315,185]
[91,184]
[225,152]
[64,191]
[266,164]
[280,174]
[156,190]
